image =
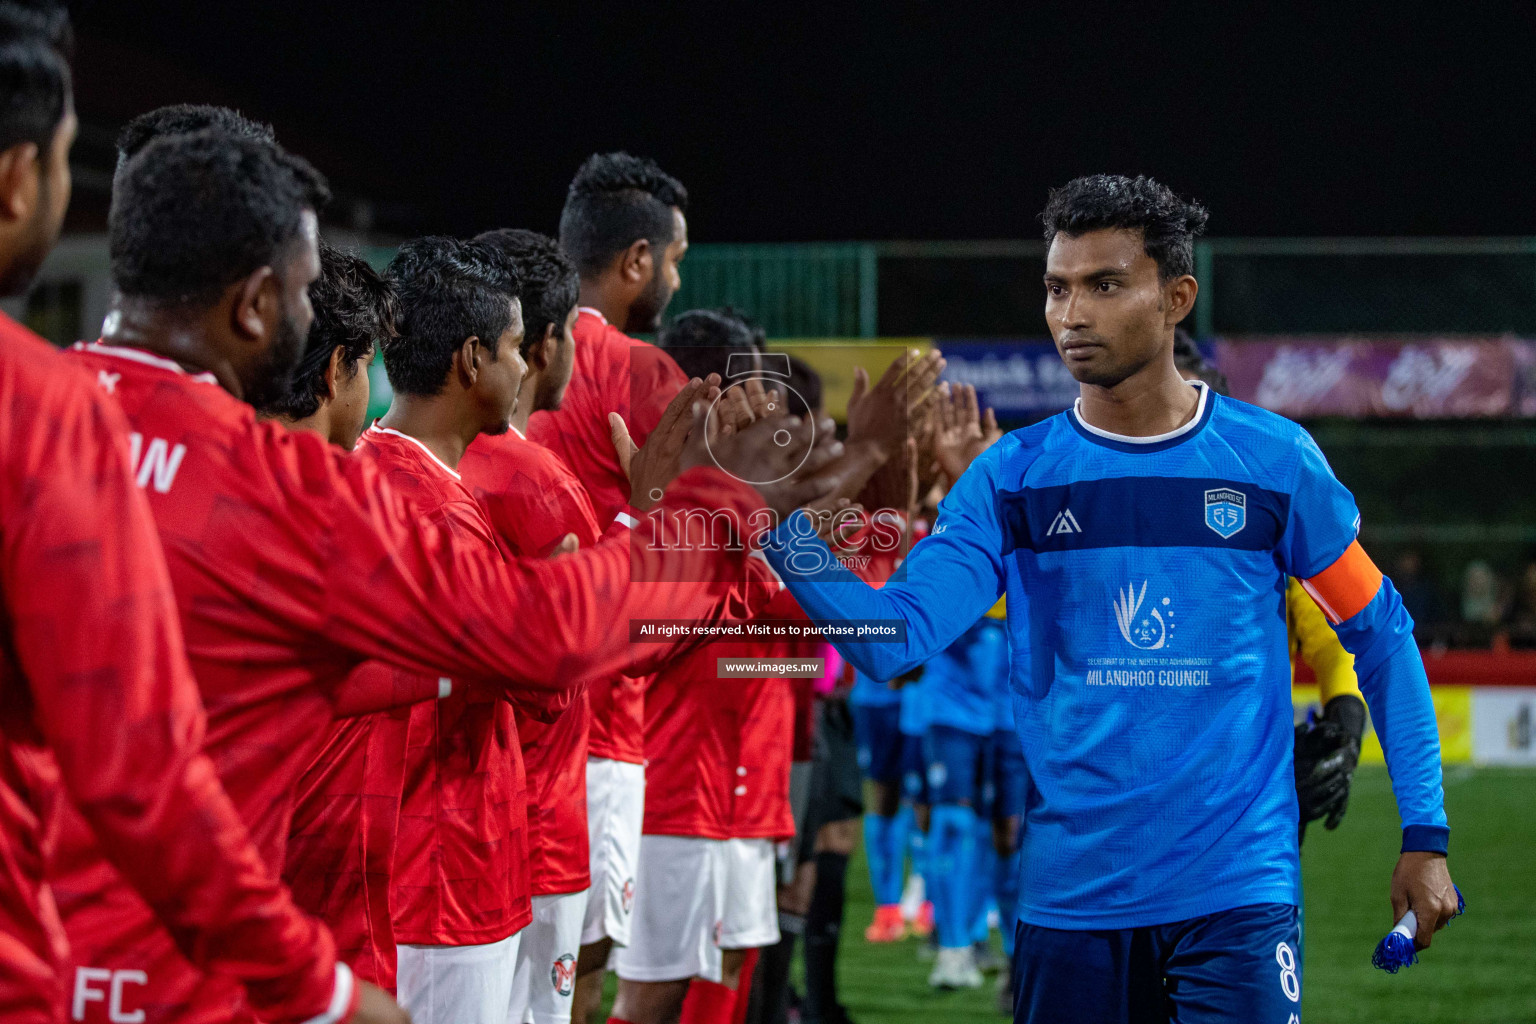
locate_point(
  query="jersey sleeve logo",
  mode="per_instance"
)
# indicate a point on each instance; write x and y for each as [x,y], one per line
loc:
[1226,511]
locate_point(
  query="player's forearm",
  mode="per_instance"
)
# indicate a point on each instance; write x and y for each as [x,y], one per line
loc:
[440,607]
[1395,687]
[827,592]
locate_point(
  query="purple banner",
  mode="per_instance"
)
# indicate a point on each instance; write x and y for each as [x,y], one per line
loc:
[1422,377]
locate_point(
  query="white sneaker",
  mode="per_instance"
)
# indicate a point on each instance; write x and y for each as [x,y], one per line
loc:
[955,968]
[912,896]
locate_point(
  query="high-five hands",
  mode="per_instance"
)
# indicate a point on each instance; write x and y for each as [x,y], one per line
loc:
[780,455]
[884,413]
[961,430]
[654,465]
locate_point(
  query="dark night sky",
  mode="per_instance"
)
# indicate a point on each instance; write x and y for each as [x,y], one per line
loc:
[873,121]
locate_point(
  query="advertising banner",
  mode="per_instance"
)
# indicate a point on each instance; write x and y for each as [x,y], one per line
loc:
[1359,377]
[1504,725]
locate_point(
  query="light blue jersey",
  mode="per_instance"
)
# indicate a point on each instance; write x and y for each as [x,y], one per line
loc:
[916,705]
[963,679]
[1145,580]
[872,693]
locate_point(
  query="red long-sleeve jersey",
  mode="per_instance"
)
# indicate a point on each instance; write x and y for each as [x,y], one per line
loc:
[461,854]
[718,750]
[293,563]
[97,703]
[613,373]
[341,841]
[533,500]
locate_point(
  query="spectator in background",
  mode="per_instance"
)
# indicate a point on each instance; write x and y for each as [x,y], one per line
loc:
[1419,594]
[1193,365]
[1481,609]
[1521,619]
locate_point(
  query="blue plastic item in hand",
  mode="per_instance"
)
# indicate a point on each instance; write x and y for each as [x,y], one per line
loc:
[1396,951]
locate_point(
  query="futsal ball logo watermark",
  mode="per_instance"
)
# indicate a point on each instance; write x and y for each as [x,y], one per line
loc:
[771,371]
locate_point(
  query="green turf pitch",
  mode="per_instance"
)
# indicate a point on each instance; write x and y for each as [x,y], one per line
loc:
[1481,970]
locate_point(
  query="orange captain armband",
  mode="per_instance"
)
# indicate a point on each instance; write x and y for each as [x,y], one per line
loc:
[1344,588]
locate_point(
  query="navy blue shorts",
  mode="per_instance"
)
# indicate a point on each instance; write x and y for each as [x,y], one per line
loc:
[959,766]
[1237,965]
[1010,776]
[877,731]
[914,770]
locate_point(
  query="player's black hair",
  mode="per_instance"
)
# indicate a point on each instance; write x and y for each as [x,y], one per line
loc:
[449,290]
[550,285]
[1189,360]
[192,214]
[804,388]
[1168,224]
[182,119]
[36,44]
[701,341]
[614,201]
[354,311]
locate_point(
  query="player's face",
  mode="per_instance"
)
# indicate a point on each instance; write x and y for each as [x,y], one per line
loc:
[41,230]
[497,385]
[1105,304]
[557,376]
[269,374]
[666,279]
[349,409]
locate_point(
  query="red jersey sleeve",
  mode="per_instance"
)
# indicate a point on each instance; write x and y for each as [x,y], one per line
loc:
[655,379]
[95,634]
[404,591]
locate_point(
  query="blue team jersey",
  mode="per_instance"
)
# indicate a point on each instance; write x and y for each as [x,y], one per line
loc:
[1145,583]
[916,701]
[872,693]
[963,679]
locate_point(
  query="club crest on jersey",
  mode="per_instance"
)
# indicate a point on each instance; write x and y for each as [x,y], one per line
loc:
[563,975]
[1145,627]
[1226,511]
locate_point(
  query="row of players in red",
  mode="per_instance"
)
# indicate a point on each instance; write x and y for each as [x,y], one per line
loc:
[301,585]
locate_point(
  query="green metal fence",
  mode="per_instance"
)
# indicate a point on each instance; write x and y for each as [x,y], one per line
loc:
[1247,285]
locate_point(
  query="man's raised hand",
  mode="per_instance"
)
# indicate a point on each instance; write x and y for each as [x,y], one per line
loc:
[655,464]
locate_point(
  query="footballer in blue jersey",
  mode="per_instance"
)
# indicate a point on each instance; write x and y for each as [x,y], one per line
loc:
[1143,539]
[876,709]
[961,681]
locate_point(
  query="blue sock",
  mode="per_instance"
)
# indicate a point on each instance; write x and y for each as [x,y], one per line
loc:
[951,856]
[917,847]
[1008,897]
[983,877]
[877,847]
[896,851]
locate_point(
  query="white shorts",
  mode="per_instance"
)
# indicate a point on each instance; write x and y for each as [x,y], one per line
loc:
[694,898]
[544,980]
[615,813]
[457,984]
[750,918]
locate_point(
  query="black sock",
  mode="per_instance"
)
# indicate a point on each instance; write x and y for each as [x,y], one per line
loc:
[768,1002]
[822,925]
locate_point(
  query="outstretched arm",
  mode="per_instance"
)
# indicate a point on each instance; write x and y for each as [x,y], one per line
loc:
[945,585]
[1373,625]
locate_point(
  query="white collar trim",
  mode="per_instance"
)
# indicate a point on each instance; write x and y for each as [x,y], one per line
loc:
[588,309]
[138,355]
[442,465]
[1199,385]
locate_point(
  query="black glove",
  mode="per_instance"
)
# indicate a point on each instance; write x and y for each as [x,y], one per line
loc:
[1327,752]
